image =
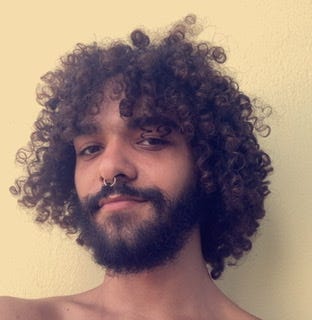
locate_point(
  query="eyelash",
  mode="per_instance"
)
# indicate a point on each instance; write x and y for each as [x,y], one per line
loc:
[151,143]
[86,151]
[154,143]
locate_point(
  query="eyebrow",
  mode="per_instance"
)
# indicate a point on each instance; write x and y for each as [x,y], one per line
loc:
[89,128]
[147,121]
[133,123]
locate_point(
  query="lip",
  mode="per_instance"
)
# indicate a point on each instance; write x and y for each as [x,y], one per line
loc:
[117,202]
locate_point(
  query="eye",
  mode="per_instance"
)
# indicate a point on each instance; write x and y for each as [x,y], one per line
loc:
[89,150]
[153,143]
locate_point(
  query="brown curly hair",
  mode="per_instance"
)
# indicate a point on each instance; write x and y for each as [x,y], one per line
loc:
[174,75]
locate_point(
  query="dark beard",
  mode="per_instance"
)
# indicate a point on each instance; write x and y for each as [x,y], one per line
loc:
[153,242]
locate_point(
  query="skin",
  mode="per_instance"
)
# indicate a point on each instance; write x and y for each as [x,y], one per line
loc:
[181,289]
[131,154]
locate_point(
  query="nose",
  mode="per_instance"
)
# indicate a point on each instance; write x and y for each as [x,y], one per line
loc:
[117,161]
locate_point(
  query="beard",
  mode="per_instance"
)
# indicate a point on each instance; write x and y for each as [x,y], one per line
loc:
[146,243]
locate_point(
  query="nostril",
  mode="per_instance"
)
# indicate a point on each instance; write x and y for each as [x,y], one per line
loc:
[109,182]
[122,178]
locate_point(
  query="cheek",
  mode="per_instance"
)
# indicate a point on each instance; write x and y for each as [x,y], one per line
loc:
[84,182]
[78,183]
[175,176]
[183,175]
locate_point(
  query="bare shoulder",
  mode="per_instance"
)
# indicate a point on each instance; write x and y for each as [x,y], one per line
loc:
[240,314]
[76,307]
[16,308]
[26,309]
[232,311]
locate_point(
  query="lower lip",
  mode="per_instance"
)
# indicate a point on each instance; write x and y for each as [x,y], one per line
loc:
[120,205]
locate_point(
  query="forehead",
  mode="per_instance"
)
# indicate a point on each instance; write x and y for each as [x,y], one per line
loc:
[109,117]
[110,113]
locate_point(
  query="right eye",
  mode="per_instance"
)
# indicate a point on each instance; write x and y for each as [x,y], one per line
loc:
[90,150]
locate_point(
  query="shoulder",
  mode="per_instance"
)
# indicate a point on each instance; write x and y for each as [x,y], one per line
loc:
[231,311]
[16,308]
[26,309]
[240,314]
[54,308]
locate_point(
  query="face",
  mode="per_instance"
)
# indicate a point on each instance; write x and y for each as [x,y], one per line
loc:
[144,219]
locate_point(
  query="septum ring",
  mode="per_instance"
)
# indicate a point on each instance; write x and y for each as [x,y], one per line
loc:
[109,183]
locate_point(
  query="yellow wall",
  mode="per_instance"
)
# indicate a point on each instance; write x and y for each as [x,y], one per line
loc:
[269,46]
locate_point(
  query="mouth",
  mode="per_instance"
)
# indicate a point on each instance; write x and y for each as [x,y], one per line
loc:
[118,202]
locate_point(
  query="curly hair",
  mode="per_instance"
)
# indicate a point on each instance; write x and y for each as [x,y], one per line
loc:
[175,75]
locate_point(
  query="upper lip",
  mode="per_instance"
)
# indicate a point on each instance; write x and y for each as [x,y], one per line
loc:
[117,198]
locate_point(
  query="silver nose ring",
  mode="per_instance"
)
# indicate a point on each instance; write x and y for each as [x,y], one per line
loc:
[108,183]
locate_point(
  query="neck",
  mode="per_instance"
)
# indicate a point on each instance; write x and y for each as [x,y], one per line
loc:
[182,286]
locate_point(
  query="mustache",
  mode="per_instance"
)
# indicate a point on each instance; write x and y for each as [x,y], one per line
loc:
[90,205]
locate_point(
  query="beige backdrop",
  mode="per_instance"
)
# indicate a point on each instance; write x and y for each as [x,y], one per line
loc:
[269,49]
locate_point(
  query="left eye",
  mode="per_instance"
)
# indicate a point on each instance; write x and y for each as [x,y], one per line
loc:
[90,150]
[153,143]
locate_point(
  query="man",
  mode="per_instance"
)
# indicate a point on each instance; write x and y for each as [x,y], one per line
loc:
[147,152]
